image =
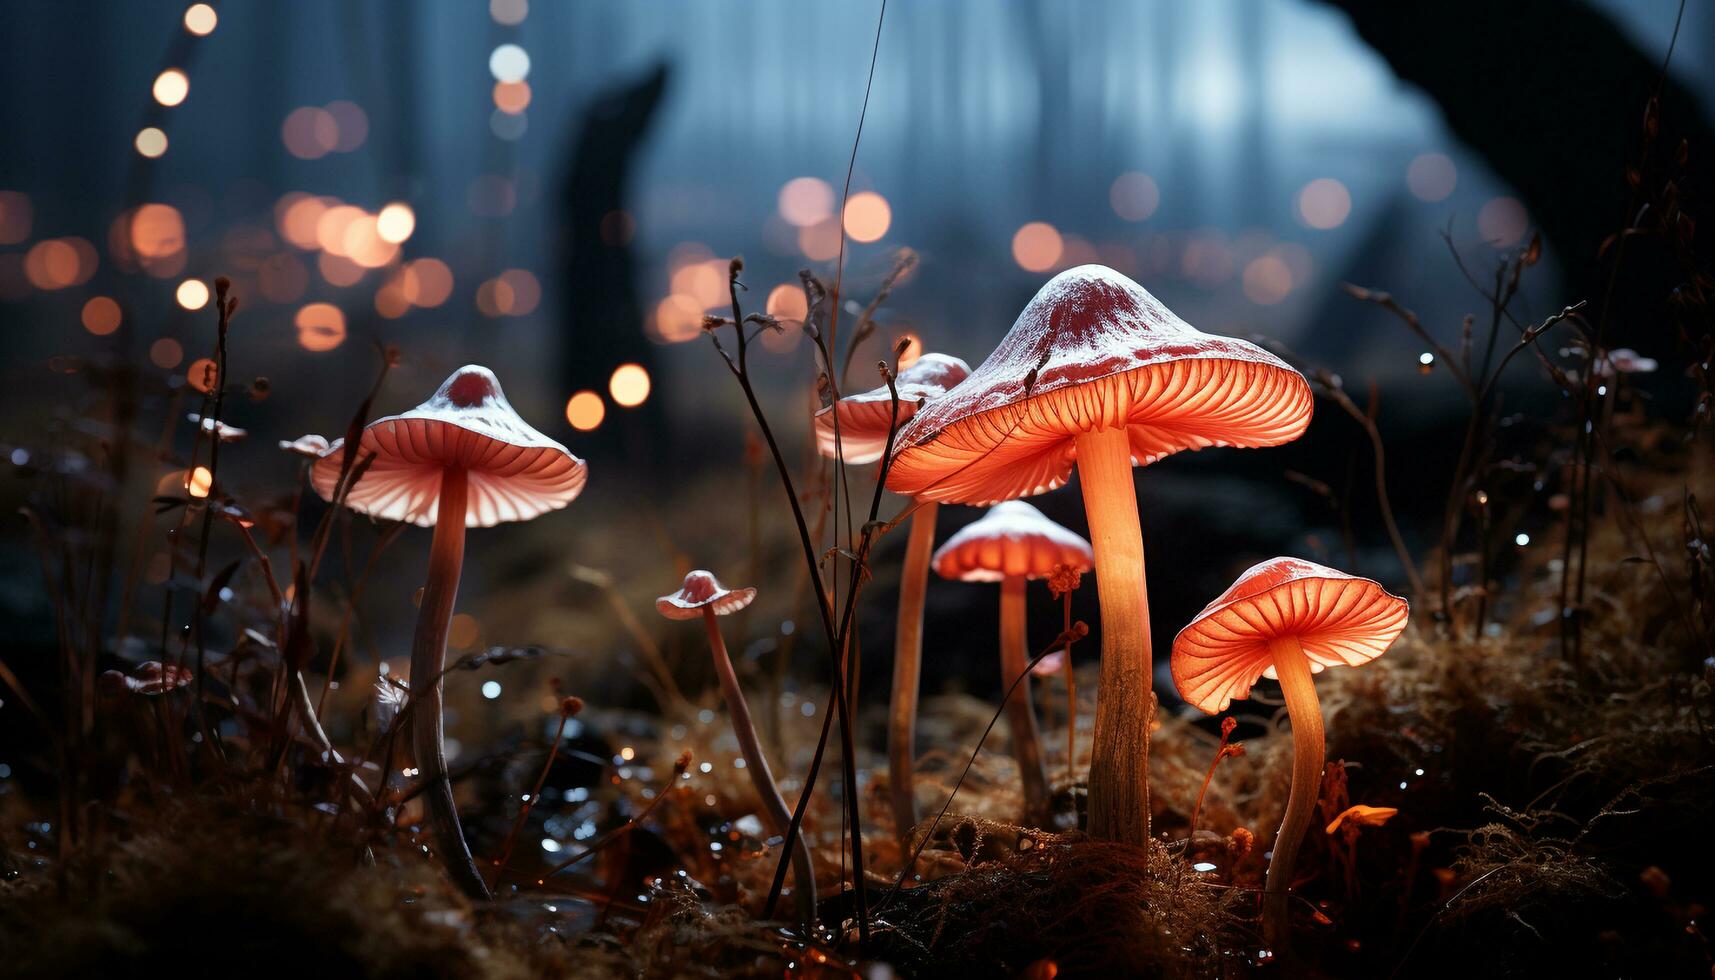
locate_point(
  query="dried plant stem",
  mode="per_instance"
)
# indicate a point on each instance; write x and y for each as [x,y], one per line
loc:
[1020,717]
[907,669]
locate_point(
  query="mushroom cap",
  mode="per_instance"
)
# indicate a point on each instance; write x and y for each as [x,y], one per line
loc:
[1013,538]
[1093,350]
[701,589]
[866,417]
[1339,619]
[515,472]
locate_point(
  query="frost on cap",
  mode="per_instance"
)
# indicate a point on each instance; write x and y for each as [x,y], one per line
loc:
[1093,350]
[1339,619]
[1013,538]
[866,417]
[515,472]
[702,589]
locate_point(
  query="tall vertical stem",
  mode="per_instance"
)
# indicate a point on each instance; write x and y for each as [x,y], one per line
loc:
[1020,718]
[1119,754]
[1071,697]
[907,669]
[761,776]
[1309,748]
[428,659]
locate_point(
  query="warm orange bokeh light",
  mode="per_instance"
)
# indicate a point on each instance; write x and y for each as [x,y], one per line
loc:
[166,353]
[157,231]
[786,302]
[101,315]
[396,222]
[820,242]
[192,294]
[704,282]
[512,97]
[339,270]
[200,19]
[150,142]
[868,216]
[1431,177]
[1037,246]
[427,282]
[678,319]
[199,482]
[526,291]
[1324,203]
[52,264]
[310,133]
[296,215]
[171,87]
[913,350]
[1503,222]
[804,201]
[15,215]
[629,385]
[585,410]
[202,375]
[1267,280]
[321,327]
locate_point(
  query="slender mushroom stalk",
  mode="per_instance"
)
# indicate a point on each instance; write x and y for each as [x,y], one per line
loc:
[1020,717]
[1285,618]
[1012,544]
[907,669]
[1309,751]
[1062,582]
[428,660]
[1096,375]
[864,423]
[703,595]
[461,459]
[1119,753]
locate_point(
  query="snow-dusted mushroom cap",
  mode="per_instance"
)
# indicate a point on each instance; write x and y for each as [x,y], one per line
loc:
[1093,350]
[1013,538]
[310,445]
[702,590]
[866,417]
[515,472]
[1339,619]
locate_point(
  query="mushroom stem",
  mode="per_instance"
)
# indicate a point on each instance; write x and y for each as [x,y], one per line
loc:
[1309,749]
[428,659]
[1119,752]
[907,666]
[1015,664]
[773,804]
[1071,698]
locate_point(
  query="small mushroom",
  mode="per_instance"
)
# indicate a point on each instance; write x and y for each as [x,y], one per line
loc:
[865,420]
[703,596]
[1285,618]
[1097,375]
[461,459]
[1012,544]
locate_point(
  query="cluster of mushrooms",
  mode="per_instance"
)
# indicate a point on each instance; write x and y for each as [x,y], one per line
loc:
[1096,375]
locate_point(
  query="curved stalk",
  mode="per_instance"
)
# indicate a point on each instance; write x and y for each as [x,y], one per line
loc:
[1020,719]
[773,805]
[1119,753]
[907,668]
[428,659]
[1071,698]
[1309,748]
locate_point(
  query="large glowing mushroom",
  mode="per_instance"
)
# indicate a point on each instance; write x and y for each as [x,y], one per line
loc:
[864,422]
[1097,375]
[1285,618]
[702,596]
[461,459]
[1012,544]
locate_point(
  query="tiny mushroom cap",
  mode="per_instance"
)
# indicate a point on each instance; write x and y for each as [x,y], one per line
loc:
[1093,350]
[515,473]
[1337,619]
[866,417]
[700,591]
[1012,539]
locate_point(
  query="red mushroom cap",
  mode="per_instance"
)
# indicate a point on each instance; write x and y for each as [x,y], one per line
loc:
[1093,350]
[701,589]
[866,417]
[1013,538]
[515,472]
[1338,619]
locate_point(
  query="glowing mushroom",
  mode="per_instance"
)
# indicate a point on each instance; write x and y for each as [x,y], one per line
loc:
[1012,544]
[865,420]
[1097,375]
[465,456]
[1288,619]
[703,597]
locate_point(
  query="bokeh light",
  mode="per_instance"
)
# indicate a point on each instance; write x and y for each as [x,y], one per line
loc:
[820,242]
[309,133]
[166,353]
[200,19]
[678,319]
[509,63]
[203,375]
[509,13]
[585,410]
[1431,177]
[157,231]
[1036,246]
[1134,196]
[1324,203]
[171,87]
[151,142]
[1503,222]
[199,482]
[805,201]
[868,216]
[786,302]
[192,294]
[396,222]
[629,385]
[352,122]
[321,326]
[1266,280]
[427,282]
[15,217]
[101,315]
[512,97]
